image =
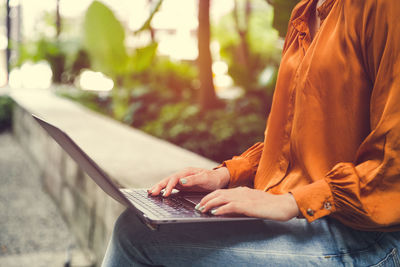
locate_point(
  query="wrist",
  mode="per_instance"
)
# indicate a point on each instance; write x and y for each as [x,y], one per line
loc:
[293,209]
[224,176]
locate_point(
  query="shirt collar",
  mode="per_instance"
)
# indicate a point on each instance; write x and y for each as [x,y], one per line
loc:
[302,13]
[324,9]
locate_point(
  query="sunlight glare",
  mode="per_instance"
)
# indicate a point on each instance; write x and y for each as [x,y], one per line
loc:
[219,68]
[95,81]
[73,8]
[31,75]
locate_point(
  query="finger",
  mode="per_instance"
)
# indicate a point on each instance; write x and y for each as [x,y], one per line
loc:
[156,189]
[214,203]
[210,196]
[170,185]
[229,208]
[178,181]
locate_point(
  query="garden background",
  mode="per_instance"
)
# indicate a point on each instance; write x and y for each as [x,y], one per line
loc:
[199,74]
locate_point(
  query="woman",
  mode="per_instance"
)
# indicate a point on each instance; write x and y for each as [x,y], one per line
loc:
[326,177]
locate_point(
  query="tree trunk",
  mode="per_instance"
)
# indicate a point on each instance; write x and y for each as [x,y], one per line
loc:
[8,23]
[58,19]
[242,28]
[207,97]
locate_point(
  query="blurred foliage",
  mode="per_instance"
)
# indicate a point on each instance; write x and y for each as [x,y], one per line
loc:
[158,95]
[147,24]
[104,40]
[130,86]
[75,63]
[166,82]
[248,56]
[217,135]
[66,59]
[44,49]
[282,12]
[6,104]
[174,115]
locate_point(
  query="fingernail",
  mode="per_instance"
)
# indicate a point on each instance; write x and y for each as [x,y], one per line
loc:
[213,211]
[197,207]
[202,208]
[164,194]
[183,181]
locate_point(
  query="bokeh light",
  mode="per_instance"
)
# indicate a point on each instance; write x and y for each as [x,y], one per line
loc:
[95,81]
[31,75]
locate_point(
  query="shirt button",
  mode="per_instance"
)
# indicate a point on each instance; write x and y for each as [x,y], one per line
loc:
[327,205]
[310,212]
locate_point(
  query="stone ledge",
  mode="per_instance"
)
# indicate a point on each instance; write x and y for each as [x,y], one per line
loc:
[77,258]
[131,157]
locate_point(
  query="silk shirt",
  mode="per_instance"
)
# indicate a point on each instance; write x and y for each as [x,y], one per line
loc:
[333,134]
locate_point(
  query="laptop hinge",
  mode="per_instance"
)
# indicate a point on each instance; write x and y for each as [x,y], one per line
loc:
[151,226]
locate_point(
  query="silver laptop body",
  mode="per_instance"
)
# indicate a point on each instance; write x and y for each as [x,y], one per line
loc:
[178,208]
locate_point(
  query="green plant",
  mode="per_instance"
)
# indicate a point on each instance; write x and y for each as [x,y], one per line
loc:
[218,135]
[248,45]
[158,95]
[104,38]
[75,64]
[6,105]
[64,57]
[282,11]
[167,82]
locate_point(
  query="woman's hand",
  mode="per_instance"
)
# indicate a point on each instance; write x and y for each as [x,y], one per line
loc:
[193,179]
[250,202]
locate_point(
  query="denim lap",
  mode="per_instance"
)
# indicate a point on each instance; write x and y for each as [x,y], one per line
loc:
[324,242]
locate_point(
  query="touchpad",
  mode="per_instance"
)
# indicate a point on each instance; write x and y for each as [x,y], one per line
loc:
[194,199]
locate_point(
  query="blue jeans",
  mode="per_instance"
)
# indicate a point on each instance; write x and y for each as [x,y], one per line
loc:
[324,242]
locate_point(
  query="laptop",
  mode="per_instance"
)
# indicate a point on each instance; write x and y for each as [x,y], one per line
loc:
[153,211]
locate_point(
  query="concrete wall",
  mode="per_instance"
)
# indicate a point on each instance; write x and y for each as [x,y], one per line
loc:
[130,157]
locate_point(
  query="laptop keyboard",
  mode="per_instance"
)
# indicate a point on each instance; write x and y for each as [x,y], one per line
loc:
[172,206]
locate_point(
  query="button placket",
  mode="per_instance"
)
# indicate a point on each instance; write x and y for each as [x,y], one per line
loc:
[284,158]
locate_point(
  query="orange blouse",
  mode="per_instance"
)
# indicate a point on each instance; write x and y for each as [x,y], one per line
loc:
[333,134]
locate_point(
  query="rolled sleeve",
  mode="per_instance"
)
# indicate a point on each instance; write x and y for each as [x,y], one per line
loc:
[242,169]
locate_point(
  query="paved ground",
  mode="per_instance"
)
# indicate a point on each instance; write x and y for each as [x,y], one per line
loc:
[32,232]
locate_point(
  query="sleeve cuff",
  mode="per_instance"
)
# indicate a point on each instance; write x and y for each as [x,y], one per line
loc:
[315,200]
[240,170]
